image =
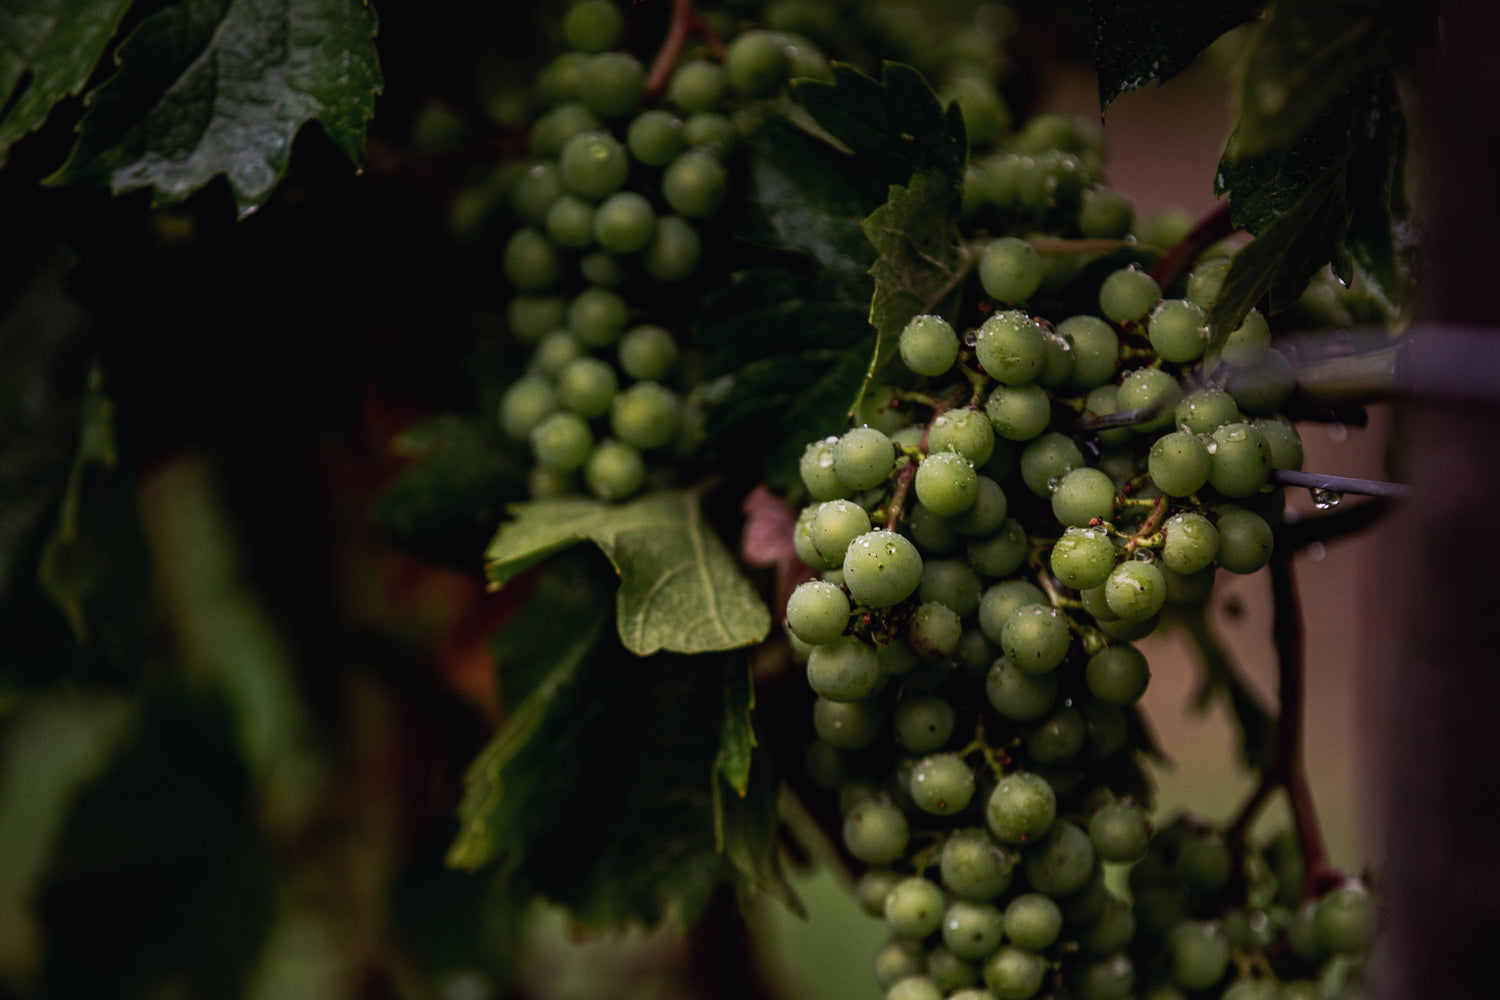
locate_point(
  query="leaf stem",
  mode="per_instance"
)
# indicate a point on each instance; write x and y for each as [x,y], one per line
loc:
[896,510]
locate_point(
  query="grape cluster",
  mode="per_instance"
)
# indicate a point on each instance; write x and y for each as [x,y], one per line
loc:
[1017,508]
[609,208]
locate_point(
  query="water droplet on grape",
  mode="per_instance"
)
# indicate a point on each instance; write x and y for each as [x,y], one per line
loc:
[1317,552]
[1212,447]
[1054,483]
[1324,499]
[1143,555]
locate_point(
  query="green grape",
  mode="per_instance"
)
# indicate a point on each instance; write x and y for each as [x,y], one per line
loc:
[946,483]
[1178,330]
[914,908]
[614,470]
[898,959]
[950,583]
[593,26]
[593,164]
[848,725]
[1153,389]
[1202,411]
[975,652]
[1095,348]
[1102,401]
[914,988]
[986,117]
[1021,808]
[561,441]
[1166,228]
[1345,921]
[624,222]
[1105,215]
[1241,460]
[1192,543]
[934,631]
[972,930]
[1017,695]
[1248,343]
[871,887]
[1245,540]
[876,832]
[601,268]
[1013,974]
[532,262]
[1058,738]
[863,458]
[536,190]
[929,345]
[646,415]
[1112,930]
[1128,295]
[897,659]
[973,866]
[1046,458]
[1204,864]
[881,568]
[1035,638]
[1258,989]
[1055,130]
[844,669]
[1199,954]
[986,515]
[1205,281]
[697,85]
[543,483]
[570,222]
[1118,675]
[1019,413]
[612,84]
[1083,557]
[817,612]
[1111,978]
[998,602]
[655,137]
[949,972]
[834,525]
[587,386]
[1052,185]
[554,351]
[527,400]
[817,473]
[530,317]
[1120,832]
[1011,347]
[923,723]
[1263,389]
[1010,270]
[1281,435]
[1179,464]
[648,353]
[674,252]
[1061,863]
[1135,590]
[879,408]
[1002,553]
[933,534]
[695,184]
[552,132]
[756,64]
[942,785]
[558,80]
[710,132]
[597,316]
[965,431]
[1032,922]
[1249,930]
[1083,496]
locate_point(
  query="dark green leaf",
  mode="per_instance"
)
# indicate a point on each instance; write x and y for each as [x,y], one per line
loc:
[745,833]
[57,42]
[209,87]
[1138,41]
[1380,236]
[738,741]
[680,589]
[894,127]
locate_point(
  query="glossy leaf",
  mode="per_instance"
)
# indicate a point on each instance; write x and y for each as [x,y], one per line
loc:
[1140,41]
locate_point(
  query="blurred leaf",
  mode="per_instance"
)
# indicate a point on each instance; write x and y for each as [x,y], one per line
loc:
[53,45]
[680,589]
[209,87]
[745,833]
[1381,238]
[1138,41]
[738,741]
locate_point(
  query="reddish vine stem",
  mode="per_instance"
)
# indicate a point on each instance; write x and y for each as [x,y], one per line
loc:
[1158,511]
[1212,228]
[905,477]
[686,22]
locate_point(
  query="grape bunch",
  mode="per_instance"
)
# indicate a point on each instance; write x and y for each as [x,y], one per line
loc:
[1014,510]
[609,208]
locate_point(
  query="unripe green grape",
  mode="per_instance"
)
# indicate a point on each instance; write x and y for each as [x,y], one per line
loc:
[1011,347]
[1202,411]
[1120,832]
[1166,228]
[972,930]
[558,80]
[934,631]
[1017,695]
[1108,729]
[1058,738]
[1013,974]
[881,568]
[570,222]
[862,458]
[1010,269]
[1205,281]
[1135,590]
[694,184]
[711,132]
[985,115]
[600,268]
[554,352]
[1019,413]
[1204,864]
[536,190]
[1112,930]
[1178,330]
[1062,862]
[1102,401]
[593,164]
[942,785]
[1248,343]
[756,64]
[561,441]
[1245,540]
[848,725]
[597,316]
[817,612]
[929,345]
[531,260]
[646,415]
[1105,214]
[1002,553]
[587,386]
[1032,922]
[946,483]
[973,866]
[648,353]
[1058,366]
[614,470]
[526,402]
[844,669]
[834,525]
[552,132]
[1262,389]
[923,723]
[697,85]
[1192,543]
[986,515]
[816,468]
[655,137]
[965,431]
[1179,464]
[593,26]
[950,973]
[612,84]
[1095,350]
[879,408]
[1111,978]
[1345,921]
[933,534]
[914,988]
[1000,601]
[1082,496]
[876,832]
[1128,295]
[1047,458]
[1129,629]
[951,583]
[624,222]
[674,252]
[1021,808]
[898,959]
[1118,675]
[1052,185]
[975,652]
[1241,460]
[1035,638]
[1150,388]
[1199,955]
[1083,557]
[1281,435]
[871,887]
[1056,130]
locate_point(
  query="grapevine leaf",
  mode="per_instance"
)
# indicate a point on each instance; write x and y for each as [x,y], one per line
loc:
[56,42]
[745,832]
[922,261]
[1138,41]
[209,87]
[1380,238]
[894,127]
[680,589]
[738,740]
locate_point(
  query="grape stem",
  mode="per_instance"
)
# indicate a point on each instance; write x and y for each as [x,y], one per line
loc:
[1212,228]
[1153,520]
[897,507]
[686,22]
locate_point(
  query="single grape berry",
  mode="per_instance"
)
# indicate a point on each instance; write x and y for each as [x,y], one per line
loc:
[697,85]
[1179,463]
[1241,460]
[756,64]
[929,345]
[876,832]
[1120,832]
[593,164]
[972,930]
[1032,921]
[1128,295]
[1245,540]
[817,612]
[1083,557]
[1010,270]
[1082,496]
[614,470]
[941,784]
[946,483]
[695,184]
[1178,330]
[647,415]
[844,669]
[1022,807]
[973,866]
[965,431]
[1011,347]
[1017,695]
[1192,542]
[862,458]
[881,568]
[593,26]
[848,725]
[1035,638]
[1118,675]
[1135,590]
